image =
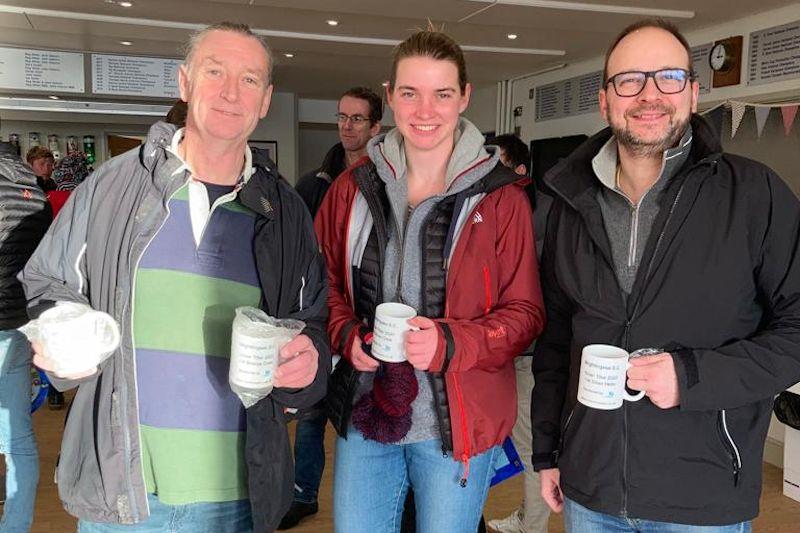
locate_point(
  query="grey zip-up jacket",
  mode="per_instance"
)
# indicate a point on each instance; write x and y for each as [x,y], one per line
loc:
[90,255]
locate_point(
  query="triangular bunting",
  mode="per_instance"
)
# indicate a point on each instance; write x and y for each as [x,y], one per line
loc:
[762,113]
[737,114]
[788,112]
[715,117]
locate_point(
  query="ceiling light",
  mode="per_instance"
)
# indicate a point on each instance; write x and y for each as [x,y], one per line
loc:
[125,43]
[332,22]
[289,55]
[126,4]
[281,34]
[53,97]
[512,36]
[595,8]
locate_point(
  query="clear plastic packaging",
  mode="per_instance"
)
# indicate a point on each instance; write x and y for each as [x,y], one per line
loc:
[256,341]
[75,337]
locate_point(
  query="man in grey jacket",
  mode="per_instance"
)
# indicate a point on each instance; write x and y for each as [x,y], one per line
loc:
[170,239]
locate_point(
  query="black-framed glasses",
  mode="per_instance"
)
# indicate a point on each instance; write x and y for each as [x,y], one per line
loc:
[667,80]
[357,120]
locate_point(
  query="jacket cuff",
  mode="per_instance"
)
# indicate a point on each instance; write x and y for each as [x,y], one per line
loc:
[544,461]
[445,347]
[687,373]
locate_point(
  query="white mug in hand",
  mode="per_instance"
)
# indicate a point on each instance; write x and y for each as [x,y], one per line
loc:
[389,333]
[604,370]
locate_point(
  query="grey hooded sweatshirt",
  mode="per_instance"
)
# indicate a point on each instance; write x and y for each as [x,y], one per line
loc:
[402,274]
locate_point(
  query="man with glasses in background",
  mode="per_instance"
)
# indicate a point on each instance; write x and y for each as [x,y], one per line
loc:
[658,239]
[359,117]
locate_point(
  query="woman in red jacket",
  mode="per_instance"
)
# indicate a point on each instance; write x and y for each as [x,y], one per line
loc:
[432,219]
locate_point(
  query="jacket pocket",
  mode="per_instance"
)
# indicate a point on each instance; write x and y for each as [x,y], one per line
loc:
[730,445]
[567,425]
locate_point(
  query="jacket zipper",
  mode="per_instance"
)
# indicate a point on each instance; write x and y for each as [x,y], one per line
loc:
[464,433]
[632,245]
[566,426]
[401,230]
[487,288]
[123,404]
[736,458]
[627,339]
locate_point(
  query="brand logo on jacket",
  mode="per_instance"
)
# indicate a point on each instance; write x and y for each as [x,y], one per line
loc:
[477,218]
[27,194]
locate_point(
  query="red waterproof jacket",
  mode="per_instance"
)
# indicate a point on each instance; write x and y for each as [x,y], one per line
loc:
[493,305]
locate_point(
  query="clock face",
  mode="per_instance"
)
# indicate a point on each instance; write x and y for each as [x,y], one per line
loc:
[718,57]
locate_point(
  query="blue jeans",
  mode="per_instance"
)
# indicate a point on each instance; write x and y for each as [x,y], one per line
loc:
[222,517]
[370,482]
[17,442]
[579,519]
[309,456]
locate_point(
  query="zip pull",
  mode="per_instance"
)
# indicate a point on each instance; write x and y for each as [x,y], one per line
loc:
[465,461]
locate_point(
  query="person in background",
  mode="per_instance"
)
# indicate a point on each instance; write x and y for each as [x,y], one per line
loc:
[24,218]
[70,171]
[41,160]
[359,118]
[657,239]
[431,219]
[170,239]
[532,514]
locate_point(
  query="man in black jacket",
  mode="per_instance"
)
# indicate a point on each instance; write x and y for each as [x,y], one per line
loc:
[358,116]
[24,217]
[657,239]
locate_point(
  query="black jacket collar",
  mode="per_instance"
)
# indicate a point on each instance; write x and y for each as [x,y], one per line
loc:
[573,178]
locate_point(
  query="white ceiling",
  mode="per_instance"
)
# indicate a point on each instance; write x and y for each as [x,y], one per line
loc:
[323,69]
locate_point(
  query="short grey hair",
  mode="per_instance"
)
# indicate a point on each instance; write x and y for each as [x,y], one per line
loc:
[233,27]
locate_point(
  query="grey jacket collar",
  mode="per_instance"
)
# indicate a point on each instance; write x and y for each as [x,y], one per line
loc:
[604,163]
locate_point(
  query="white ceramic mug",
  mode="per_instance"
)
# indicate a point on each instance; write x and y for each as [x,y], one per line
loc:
[389,333]
[603,375]
[76,337]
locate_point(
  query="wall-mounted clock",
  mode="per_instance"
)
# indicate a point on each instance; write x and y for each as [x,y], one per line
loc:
[725,60]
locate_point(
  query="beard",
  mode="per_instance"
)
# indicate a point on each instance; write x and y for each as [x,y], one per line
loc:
[641,147]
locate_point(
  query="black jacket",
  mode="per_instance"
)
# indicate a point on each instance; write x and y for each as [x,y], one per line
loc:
[313,186]
[718,288]
[284,243]
[24,218]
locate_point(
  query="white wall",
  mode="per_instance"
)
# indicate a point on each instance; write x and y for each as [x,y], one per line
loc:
[482,110]
[591,123]
[280,125]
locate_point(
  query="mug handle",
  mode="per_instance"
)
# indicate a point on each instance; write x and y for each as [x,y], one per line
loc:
[632,397]
[111,324]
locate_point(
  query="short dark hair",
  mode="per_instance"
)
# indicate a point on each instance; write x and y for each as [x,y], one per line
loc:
[375,102]
[38,152]
[515,150]
[653,22]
